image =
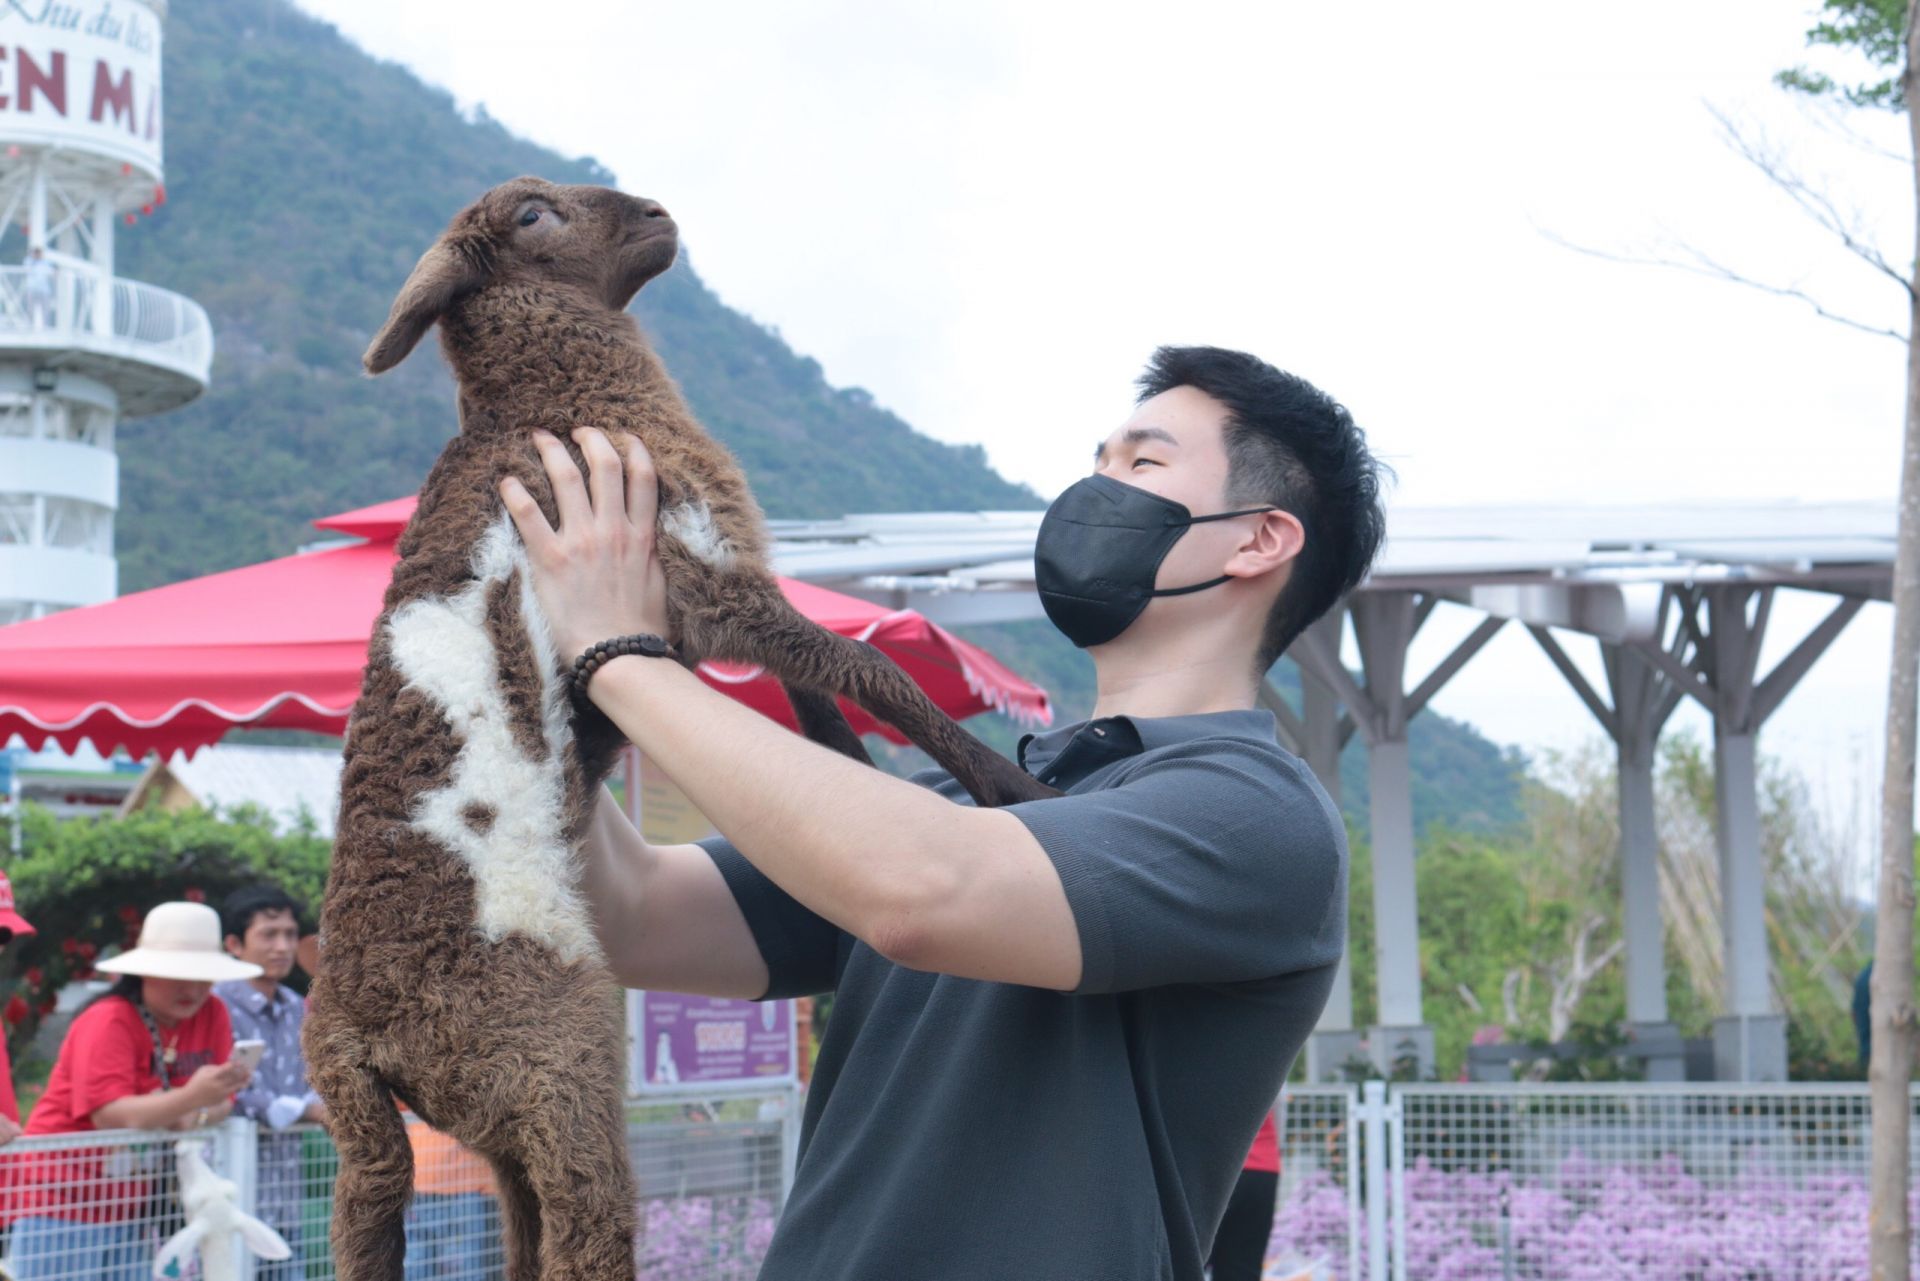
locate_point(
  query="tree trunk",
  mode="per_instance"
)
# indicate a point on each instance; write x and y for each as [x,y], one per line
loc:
[1891,1065]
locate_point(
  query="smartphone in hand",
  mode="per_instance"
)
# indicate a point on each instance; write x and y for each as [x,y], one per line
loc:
[247,1053]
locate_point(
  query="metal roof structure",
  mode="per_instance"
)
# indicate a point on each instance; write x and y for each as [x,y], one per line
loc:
[292,784]
[976,567]
[1678,597]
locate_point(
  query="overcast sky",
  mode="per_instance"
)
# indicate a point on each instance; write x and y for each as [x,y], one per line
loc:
[988,214]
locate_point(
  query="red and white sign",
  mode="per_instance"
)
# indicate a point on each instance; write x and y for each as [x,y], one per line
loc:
[82,73]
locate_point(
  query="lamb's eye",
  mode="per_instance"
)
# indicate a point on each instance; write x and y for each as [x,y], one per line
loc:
[530,217]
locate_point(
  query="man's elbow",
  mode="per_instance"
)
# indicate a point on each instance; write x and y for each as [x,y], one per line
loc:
[905,939]
[909,920]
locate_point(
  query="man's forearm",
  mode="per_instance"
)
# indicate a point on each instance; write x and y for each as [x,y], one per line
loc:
[855,845]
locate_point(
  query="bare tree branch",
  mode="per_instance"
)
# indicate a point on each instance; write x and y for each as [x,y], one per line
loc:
[1701,265]
[1829,119]
[1572,983]
[1812,201]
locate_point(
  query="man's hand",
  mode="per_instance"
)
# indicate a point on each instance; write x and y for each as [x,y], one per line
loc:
[9,1130]
[598,576]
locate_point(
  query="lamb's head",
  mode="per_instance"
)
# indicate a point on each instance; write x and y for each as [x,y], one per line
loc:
[593,246]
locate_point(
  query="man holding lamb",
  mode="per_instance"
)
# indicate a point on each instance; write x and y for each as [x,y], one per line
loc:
[1057,1024]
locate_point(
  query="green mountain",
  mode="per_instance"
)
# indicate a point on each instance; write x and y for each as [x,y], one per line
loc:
[306,177]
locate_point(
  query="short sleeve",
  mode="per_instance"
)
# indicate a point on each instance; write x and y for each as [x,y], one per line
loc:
[1216,861]
[801,947]
[214,1035]
[105,1057]
[219,1030]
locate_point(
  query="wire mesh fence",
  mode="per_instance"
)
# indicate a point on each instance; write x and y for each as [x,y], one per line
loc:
[1501,1182]
[711,1179]
[1317,1215]
[95,1205]
[1660,1183]
[98,1206]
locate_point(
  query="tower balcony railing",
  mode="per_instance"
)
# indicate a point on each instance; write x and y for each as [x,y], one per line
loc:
[123,320]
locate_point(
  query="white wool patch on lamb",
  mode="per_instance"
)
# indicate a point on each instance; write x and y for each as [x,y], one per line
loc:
[692,525]
[524,873]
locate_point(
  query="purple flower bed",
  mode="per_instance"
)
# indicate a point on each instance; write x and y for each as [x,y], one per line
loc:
[704,1238]
[1645,1223]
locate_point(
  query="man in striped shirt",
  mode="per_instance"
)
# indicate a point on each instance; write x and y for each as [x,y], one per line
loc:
[262,926]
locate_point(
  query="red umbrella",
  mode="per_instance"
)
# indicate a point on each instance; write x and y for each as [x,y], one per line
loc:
[281,645]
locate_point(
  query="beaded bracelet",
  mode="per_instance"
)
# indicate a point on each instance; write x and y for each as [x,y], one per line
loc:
[601,653]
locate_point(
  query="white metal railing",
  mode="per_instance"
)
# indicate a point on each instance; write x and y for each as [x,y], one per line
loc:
[1529,1182]
[129,316]
[1317,1217]
[1418,1182]
[80,1207]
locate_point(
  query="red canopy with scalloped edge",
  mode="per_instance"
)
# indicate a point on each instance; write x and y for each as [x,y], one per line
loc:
[281,645]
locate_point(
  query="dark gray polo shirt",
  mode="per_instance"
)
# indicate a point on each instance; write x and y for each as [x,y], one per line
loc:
[959,1130]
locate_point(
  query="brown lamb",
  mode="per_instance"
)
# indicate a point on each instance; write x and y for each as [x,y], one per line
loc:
[460,974]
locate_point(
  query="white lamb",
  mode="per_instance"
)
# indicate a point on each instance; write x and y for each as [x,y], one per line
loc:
[214,1218]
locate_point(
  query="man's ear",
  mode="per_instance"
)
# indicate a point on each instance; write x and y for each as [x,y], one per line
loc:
[1275,539]
[453,268]
[235,946]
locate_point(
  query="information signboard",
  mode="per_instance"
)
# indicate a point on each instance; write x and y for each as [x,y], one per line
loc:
[707,1044]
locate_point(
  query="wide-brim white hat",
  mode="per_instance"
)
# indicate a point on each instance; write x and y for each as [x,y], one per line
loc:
[181,941]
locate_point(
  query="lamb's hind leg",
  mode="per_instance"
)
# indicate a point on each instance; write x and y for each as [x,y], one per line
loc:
[519,1218]
[376,1173]
[575,1159]
[755,624]
[821,720]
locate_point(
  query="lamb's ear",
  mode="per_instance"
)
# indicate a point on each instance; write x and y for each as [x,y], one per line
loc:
[444,273]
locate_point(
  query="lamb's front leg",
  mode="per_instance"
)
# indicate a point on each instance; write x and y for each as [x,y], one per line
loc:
[820,719]
[752,622]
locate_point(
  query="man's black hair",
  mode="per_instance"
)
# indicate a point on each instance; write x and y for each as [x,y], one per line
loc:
[1291,445]
[237,913]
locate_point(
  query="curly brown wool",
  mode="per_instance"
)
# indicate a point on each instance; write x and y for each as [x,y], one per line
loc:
[501,1043]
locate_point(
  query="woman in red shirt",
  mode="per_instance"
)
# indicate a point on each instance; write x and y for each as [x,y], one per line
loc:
[1240,1247]
[150,1054]
[12,926]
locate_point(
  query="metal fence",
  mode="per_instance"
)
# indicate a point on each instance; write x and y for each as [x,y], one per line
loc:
[1416,1183]
[97,1207]
[1318,1214]
[91,1205]
[1662,1183]
[1574,1183]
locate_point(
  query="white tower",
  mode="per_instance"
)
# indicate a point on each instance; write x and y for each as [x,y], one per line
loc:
[79,348]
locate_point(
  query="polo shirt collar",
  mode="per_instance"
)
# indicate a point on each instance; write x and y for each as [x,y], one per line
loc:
[1062,757]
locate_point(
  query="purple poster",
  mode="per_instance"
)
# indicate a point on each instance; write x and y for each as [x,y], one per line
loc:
[706,1041]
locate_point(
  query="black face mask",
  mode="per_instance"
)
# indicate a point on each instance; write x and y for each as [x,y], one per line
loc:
[1099,551]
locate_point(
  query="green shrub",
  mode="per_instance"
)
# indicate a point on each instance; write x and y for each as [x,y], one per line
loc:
[86,884]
